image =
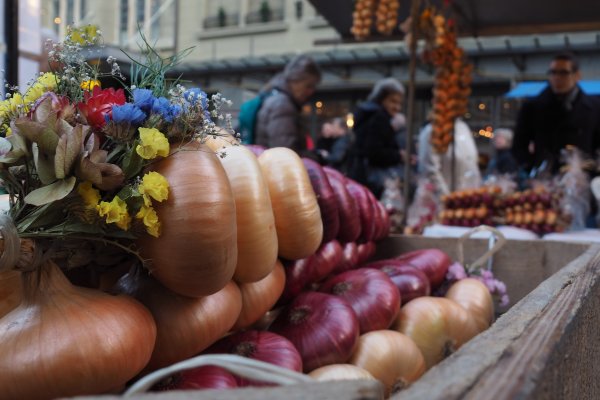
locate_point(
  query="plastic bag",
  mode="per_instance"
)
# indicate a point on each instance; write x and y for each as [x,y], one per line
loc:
[576,190]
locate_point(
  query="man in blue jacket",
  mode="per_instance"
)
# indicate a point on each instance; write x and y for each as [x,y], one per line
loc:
[559,116]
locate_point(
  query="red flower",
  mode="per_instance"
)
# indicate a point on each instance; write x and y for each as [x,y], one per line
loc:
[98,105]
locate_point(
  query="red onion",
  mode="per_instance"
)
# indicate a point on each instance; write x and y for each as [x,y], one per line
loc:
[372,295]
[349,258]
[325,198]
[206,377]
[386,222]
[365,207]
[349,215]
[365,252]
[324,328]
[433,262]
[262,346]
[410,281]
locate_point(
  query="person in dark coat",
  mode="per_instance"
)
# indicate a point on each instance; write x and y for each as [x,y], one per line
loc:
[376,154]
[563,114]
[503,161]
[279,118]
[333,145]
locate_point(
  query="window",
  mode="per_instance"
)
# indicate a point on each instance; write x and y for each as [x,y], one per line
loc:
[70,12]
[123,21]
[140,11]
[82,9]
[56,15]
[222,13]
[263,11]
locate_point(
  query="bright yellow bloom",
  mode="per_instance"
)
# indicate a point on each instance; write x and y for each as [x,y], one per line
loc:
[150,219]
[90,85]
[154,185]
[115,212]
[15,101]
[44,83]
[154,143]
[90,196]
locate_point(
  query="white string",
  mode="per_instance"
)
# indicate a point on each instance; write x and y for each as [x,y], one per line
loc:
[241,366]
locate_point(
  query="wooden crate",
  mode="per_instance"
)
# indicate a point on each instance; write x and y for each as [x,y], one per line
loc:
[545,346]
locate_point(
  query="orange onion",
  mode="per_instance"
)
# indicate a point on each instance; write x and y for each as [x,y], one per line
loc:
[256,235]
[220,141]
[438,326]
[259,297]
[391,357]
[185,325]
[297,215]
[64,340]
[196,253]
[475,297]
[340,372]
[10,291]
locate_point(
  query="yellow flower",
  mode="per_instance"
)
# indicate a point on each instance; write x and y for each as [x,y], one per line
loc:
[44,83]
[90,196]
[154,185]
[4,108]
[90,85]
[154,143]
[150,219]
[15,101]
[115,212]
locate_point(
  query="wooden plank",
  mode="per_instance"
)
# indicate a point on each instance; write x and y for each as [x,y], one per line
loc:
[508,360]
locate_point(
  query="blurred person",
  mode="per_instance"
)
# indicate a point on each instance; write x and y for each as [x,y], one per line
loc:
[376,155]
[563,114]
[502,161]
[279,118]
[438,167]
[334,144]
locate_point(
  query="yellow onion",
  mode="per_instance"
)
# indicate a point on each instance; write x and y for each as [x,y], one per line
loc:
[185,325]
[196,252]
[256,235]
[340,372]
[474,297]
[10,291]
[437,325]
[259,297]
[223,139]
[391,357]
[63,340]
[297,215]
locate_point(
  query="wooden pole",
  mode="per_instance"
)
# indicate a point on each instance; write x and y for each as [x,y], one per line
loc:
[410,110]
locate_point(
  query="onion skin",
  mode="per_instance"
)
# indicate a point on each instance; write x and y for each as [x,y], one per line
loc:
[365,252]
[10,291]
[372,295]
[257,149]
[411,282]
[64,341]
[324,329]
[349,214]
[185,325]
[325,197]
[366,211]
[340,372]
[259,297]
[437,325]
[262,346]
[256,235]
[349,258]
[206,377]
[474,297]
[297,215]
[221,141]
[196,254]
[433,262]
[385,221]
[391,357]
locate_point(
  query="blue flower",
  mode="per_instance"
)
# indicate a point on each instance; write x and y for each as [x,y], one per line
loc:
[144,99]
[127,113]
[195,95]
[166,110]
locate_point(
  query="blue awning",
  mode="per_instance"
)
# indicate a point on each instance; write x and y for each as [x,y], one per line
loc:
[530,89]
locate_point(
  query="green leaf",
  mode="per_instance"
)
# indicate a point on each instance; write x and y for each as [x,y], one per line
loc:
[44,165]
[132,164]
[55,191]
[132,197]
[70,147]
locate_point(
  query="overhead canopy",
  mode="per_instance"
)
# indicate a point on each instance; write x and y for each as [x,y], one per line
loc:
[487,17]
[530,89]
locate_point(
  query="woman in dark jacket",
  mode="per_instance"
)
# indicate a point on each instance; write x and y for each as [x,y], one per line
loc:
[376,153]
[278,122]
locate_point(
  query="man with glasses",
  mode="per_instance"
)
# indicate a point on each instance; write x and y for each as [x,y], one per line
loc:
[561,115]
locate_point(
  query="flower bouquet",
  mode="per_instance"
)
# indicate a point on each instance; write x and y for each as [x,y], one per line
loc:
[76,159]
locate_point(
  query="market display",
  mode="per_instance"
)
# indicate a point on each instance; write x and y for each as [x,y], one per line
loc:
[190,244]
